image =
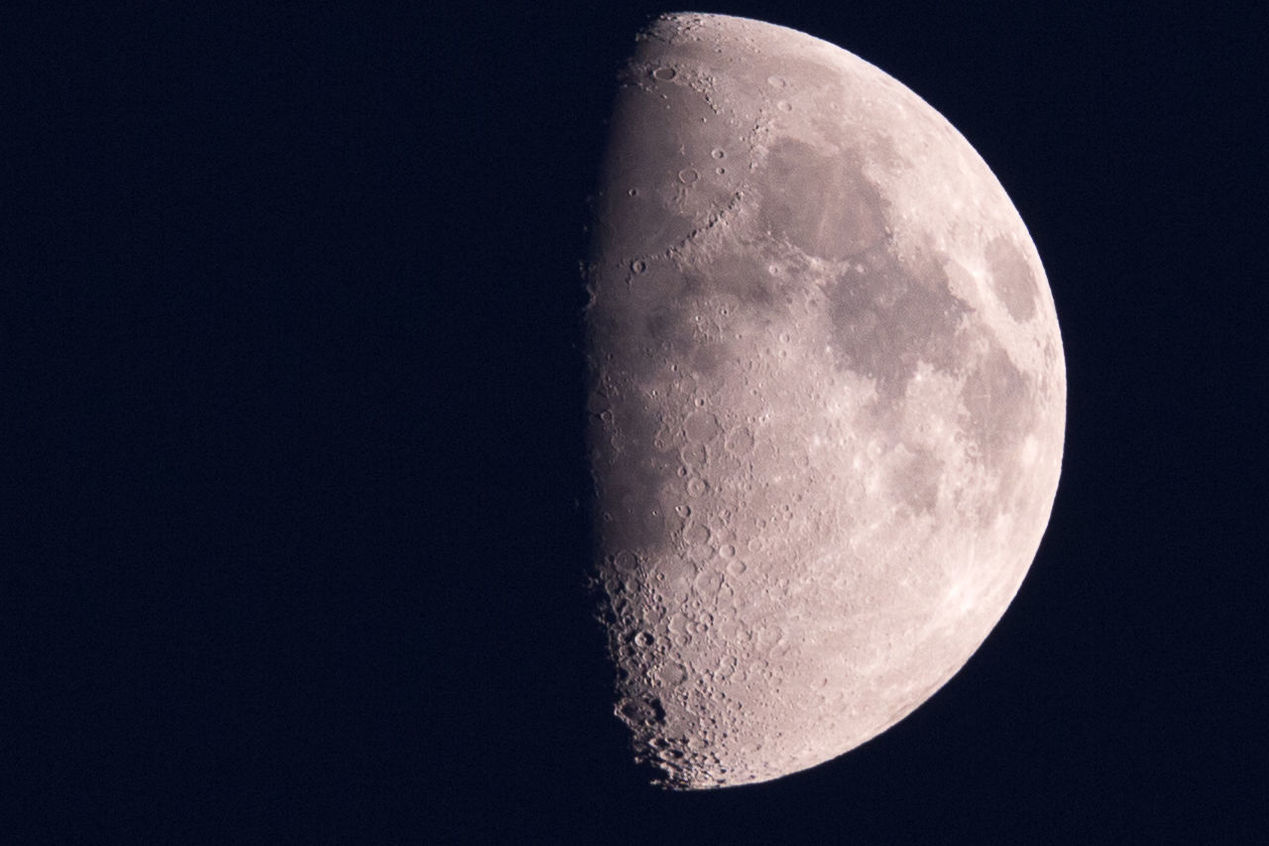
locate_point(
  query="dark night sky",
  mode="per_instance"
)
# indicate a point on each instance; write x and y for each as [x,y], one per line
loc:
[293,543]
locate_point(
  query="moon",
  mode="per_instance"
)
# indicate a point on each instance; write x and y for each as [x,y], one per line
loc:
[827,400]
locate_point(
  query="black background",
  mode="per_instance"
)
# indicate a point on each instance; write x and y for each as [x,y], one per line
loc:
[295,532]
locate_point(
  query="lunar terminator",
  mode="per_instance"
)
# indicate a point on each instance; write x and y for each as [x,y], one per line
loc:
[827,400]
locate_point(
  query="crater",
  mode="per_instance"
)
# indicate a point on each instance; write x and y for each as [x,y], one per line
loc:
[701,427]
[645,711]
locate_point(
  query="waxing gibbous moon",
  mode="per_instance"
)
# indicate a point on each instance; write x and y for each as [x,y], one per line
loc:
[827,401]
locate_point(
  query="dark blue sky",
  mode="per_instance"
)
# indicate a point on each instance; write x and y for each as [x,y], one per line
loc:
[294,539]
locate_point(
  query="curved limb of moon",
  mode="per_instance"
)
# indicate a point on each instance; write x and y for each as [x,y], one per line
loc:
[828,400]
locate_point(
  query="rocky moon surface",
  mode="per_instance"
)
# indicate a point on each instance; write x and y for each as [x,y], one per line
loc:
[827,405]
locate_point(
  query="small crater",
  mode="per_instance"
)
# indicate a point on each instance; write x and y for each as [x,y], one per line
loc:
[777,82]
[784,106]
[664,73]
[638,266]
[687,176]
[695,486]
[718,153]
[736,567]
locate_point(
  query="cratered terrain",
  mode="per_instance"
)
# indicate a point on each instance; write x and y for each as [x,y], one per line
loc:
[827,401]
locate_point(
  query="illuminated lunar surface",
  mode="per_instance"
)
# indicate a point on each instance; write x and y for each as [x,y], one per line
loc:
[827,401]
